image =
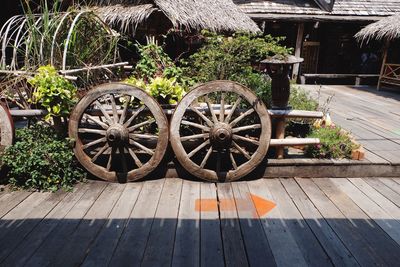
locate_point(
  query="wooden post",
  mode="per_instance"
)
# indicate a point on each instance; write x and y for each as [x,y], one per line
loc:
[385,52]
[297,52]
[280,134]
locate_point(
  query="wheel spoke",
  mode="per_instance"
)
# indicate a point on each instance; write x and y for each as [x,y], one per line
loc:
[235,121]
[142,147]
[201,115]
[142,136]
[101,151]
[195,136]
[248,127]
[237,102]
[199,126]
[242,138]
[241,150]
[95,131]
[113,150]
[128,122]
[124,164]
[95,142]
[222,108]
[191,154]
[214,117]
[204,162]
[125,110]
[114,109]
[98,122]
[108,118]
[134,127]
[233,160]
[135,158]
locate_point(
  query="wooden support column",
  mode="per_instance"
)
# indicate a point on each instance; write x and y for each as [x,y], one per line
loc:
[297,52]
[280,134]
[385,52]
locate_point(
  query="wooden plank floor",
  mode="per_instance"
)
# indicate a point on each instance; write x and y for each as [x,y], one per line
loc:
[372,116]
[175,222]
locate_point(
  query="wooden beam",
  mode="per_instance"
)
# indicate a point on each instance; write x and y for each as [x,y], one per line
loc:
[28,112]
[384,60]
[292,113]
[294,142]
[94,68]
[297,53]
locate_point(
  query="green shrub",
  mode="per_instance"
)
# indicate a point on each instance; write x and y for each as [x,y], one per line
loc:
[53,92]
[335,143]
[165,91]
[154,62]
[301,99]
[257,82]
[41,160]
[224,58]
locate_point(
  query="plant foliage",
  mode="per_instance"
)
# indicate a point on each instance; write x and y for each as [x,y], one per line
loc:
[231,58]
[335,143]
[154,62]
[165,91]
[301,99]
[41,160]
[53,92]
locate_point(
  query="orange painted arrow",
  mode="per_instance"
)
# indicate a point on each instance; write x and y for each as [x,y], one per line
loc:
[261,205]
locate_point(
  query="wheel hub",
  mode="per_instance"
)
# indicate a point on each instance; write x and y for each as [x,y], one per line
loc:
[221,135]
[117,134]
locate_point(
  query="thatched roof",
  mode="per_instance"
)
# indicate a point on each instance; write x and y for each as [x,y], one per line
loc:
[387,28]
[304,10]
[215,15]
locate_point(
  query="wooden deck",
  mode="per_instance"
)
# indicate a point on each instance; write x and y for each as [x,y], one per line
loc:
[265,222]
[372,116]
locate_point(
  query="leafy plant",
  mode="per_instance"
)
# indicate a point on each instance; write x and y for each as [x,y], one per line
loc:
[154,62]
[230,58]
[41,160]
[335,143]
[301,99]
[166,91]
[256,81]
[53,92]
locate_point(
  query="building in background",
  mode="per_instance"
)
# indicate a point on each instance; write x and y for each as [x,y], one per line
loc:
[324,39]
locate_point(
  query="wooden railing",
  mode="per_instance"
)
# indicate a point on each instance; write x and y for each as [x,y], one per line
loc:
[390,75]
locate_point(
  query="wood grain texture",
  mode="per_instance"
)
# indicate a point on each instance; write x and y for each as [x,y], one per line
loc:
[175,222]
[256,244]
[306,240]
[187,236]
[55,241]
[160,245]
[332,244]
[211,247]
[364,253]
[133,241]
[102,248]
[372,233]
[373,210]
[283,245]
[53,219]
[234,250]
[75,246]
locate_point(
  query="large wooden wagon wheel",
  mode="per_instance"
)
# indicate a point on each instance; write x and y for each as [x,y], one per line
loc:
[223,141]
[120,132]
[6,128]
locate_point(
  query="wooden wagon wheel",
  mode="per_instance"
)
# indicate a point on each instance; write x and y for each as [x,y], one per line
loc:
[6,128]
[120,132]
[224,141]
